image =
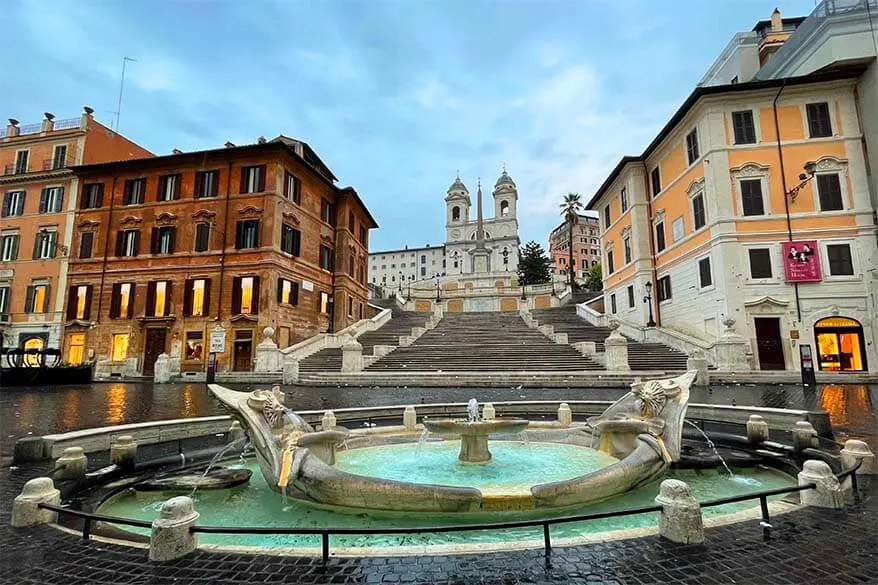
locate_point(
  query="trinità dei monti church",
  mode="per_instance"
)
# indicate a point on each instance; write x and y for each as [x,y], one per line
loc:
[473,244]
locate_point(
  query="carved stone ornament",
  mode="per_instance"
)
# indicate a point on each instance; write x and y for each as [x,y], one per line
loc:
[626,231]
[130,221]
[695,186]
[325,238]
[830,163]
[165,218]
[89,225]
[834,310]
[204,214]
[729,324]
[750,169]
[289,215]
[608,245]
[250,211]
[658,215]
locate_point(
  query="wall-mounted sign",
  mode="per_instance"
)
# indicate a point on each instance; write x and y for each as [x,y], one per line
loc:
[217,340]
[794,334]
[307,285]
[801,262]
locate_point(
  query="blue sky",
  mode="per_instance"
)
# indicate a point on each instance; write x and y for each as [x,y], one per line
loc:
[395,95]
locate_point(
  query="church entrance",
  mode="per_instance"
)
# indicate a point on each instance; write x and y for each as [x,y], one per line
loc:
[841,346]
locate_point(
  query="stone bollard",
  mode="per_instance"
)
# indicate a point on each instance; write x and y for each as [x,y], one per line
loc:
[328,421]
[680,518]
[352,356]
[488,412]
[698,362]
[37,491]
[757,429]
[162,371]
[236,432]
[290,370]
[171,538]
[71,464]
[123,452]
[565,415]
[616,350]
[804,436]
[409,418]
[828,493]
[854,451]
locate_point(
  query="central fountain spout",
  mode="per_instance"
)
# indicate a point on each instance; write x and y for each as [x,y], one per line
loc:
[472,410]
[474,432]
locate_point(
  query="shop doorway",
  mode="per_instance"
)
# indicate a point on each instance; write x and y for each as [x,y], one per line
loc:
[243,350]
[768,343]
[154,346]
[841,346]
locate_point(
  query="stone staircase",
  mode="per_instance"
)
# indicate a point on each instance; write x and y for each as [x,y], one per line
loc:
[401,323]
[483,342]
[641,356]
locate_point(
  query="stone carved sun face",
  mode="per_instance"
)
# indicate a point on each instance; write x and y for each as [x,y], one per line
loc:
[651,398]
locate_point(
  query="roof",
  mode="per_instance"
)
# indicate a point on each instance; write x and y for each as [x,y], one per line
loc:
[350,191]
[310,156]
[403,250]
[849,71]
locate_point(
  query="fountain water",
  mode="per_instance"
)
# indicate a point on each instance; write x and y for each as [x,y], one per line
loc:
[421,440]
[472,411]
[711,445]
[474,432]
[216,458]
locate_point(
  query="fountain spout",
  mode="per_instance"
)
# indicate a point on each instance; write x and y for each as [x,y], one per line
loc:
[472,410]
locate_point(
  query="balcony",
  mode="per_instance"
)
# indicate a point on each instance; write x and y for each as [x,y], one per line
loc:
[37,127]
[48,165]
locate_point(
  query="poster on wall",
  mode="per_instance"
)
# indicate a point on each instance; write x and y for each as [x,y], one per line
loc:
[801,262]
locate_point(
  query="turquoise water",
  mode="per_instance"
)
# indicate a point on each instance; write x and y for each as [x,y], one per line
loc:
[255,504]
[515,465]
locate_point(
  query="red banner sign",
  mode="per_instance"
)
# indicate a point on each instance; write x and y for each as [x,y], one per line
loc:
[801,262]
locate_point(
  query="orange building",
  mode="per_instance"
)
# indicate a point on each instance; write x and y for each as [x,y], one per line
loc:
[169,249]
[38,190]
[586,246]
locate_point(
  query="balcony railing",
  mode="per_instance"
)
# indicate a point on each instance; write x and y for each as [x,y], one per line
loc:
[49,164]
[64,124]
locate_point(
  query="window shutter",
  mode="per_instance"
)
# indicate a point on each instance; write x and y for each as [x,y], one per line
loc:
[154,241]
[71,303]
[261,174]
[120,243]
[297,242]
[115,301]
[136,242]
[297,190]
[44,199]
[37,241]
[294,294]
[239,233]
[53,244]
[150,300]
[257,241]
[15,239]
[280,290]
[59,201]
[171,247]
[187,297]
[129,310]
[176,194]
[168,297]
[7,199]
[206,297]
[86,315]
[46,297]
[236,295]
[244,173]
[255,296]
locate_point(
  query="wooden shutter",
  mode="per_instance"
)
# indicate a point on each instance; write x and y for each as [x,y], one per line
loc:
[280,290]
[297,242]
[187,297]
[15,240]
[168,297]
[86,314]
[239,233]
[71,303]
[171,245]
[294,293]
[150,300]
[7,199]
[255,302]
[236,295]
[120,243]
[261,182]
[206,311]
[115,300]
[244,174]
[44,200]
[129,310]
[297,190]
[154,241]
[46,297]
[37,241]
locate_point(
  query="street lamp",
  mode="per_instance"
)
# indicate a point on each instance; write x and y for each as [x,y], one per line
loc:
[409,283]
[804,178]
[648,300]
[400,281]
[437,287]
[59,248]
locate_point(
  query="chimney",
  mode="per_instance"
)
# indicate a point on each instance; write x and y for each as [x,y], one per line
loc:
[12,128]
[177,151]
[776,21]
[260,140]
[230,145]
[86,116]
[48,122]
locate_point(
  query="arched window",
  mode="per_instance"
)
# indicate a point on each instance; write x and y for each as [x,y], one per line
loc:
[34,343]
[840,344]
[455,213]
[504,208]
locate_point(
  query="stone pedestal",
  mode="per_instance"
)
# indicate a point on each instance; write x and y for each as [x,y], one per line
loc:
[162,372]
[731,350]
[37,491]
[71,465]
[804,436]
[680,518]
[328,421]
[586,348]
[488,412]
[560,338]
[290,370]
[409,418]
[698,362]
[268,356]
[828,493]
[352,356]
[547,330]
[616,350]
[565,415]
[381,350]
[855,451]
[757,429]
[123,452]
[171,538]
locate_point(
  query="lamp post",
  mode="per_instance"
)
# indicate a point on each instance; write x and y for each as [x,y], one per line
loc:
[804,179]
[44,235]
[400,281]
[648,300]
[410,288]
[437,287]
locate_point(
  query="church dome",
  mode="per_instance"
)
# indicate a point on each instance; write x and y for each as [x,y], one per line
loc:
[458,185]
[504,179]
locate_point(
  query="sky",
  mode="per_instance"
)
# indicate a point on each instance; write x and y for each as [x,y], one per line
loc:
[396,96]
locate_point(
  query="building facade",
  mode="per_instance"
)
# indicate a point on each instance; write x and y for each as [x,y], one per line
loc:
[396,268]
[586,246]
[39,200]
[234,240]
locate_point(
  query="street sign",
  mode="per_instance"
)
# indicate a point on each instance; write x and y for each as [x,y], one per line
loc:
[218,340]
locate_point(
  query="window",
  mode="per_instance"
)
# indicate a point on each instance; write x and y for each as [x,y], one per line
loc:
[364,235]
[127,243]
[613,303]
[122,300]
[326,258]
[202,237]
[692,146]
[751,197]
[290,240]
[760,262]
[699,219]
[287,292]
[196,297]
[134,192]
[350,306]
[169,188]
[324,303]
[8,247]
[206,184]
[656,181]
[326,212]
[245,295]
[660,236]
[37,298]
[819,125]
[21,161]
[610,268]
[119,349]
[455,213]
[79,302]
[423,258]
[13,203]
[705,278]
[158,299]
[351,221]
[829,192]
[840,262]
[86,242]
[630,296]
[664,288]
[162,240]
[59,156]
[504,208]
[45,244]
[194,345]
[292,188]
[75,348]
[744,128]
[247,234]
[51,199]
[253,179]
[424,268]
[607,218]
[623,199]
[627,246]
[352,265]
[92,196]
[678,229]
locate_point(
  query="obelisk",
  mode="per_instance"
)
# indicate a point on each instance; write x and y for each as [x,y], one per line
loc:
[481,255]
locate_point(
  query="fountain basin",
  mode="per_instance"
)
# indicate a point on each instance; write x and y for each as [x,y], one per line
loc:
[474,435]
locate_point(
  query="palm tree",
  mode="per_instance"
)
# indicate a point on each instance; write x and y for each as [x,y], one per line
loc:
[570,209]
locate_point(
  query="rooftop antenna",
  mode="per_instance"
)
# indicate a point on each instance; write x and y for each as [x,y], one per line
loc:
[121,86]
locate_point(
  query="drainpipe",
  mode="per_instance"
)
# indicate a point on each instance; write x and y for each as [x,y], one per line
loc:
[654,277]
[783,180]
[106,249]
[219,307]
[334,266]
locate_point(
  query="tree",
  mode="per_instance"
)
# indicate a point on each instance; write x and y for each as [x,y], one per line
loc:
[594,279]
[570,209]
[533,264]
